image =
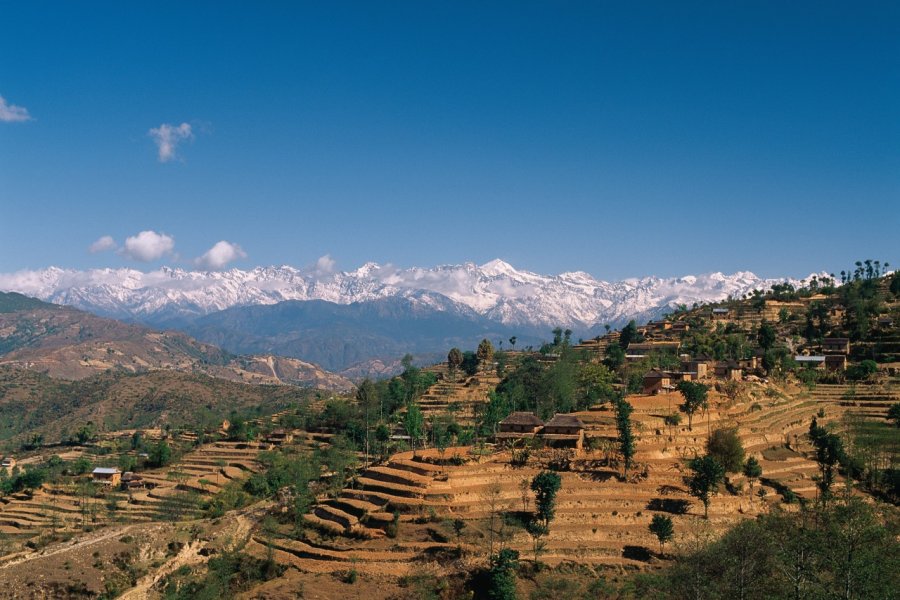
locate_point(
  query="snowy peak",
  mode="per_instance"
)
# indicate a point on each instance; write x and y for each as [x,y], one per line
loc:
[495,290]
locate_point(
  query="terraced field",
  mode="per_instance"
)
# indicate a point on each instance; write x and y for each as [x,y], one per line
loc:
[601,519]
[171,493]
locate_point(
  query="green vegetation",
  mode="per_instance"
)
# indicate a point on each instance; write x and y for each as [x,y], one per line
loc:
[626,436]
[705,480]
[226,576]
[545,486]
[724,445]
[844,550]
[694,395]
[661,526]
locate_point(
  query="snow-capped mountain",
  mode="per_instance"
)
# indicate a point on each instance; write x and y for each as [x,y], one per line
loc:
[495,290]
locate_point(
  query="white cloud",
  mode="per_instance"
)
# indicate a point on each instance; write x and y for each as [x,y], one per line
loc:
[220,255]
[325,265]
[102,244]
[147,246]
[167,137]
[10,113]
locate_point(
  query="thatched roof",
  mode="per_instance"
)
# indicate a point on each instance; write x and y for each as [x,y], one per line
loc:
[560,420]
[522,418]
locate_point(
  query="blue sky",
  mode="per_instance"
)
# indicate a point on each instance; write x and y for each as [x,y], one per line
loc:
[620,139]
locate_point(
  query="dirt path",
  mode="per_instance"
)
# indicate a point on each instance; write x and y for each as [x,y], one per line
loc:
[189,555]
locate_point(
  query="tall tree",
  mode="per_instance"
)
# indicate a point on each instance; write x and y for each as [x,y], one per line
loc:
[626,436]
[367,396]
[413,424]
[752,471]
[485,353]
[694,395]
[661,526]
[628,334]
[454,361]
[545,485]
[707,475]
[766,336]
[502,575]
[725,446]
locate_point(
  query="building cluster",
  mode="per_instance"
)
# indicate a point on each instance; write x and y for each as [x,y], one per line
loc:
[831,356]
[563,430]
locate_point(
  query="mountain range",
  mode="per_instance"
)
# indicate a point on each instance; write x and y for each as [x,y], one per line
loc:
[352,320]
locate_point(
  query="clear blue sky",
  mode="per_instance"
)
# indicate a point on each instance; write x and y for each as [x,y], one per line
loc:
[621,139]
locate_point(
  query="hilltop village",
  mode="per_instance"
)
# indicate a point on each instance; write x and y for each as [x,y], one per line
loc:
[640,463]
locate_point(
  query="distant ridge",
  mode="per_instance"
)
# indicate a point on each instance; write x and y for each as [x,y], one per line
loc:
[495,290]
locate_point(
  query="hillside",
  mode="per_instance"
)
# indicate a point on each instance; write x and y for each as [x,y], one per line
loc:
[33,403]
[71,344]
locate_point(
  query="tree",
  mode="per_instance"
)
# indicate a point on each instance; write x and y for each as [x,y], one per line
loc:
[485,353]
[694,395]
[470,363]
[367,396]
[160,454]
[829,452]
[440,432]
[545,486]
[893,413]
[615,357]
[672,421]
[454,361]
[536,530]
[525,491]
[732,389]
[413,424]
[458,526]
[752,471]
[661,526]
[628,334]
[708,474]
[725,446]
[766,336]
[512,342]
[626,436]
[502,575]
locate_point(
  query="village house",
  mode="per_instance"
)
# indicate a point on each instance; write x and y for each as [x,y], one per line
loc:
[656,382]
[279,437]
[645,348]
[680,327]
[677,376]
[836,346]
[8,463]
[519,425]
[729,369]
[835,362]
[749,364]
[836,314]
[132,481]
[564,430]
[810,362]
[721,314]
[110,476]
[698,368]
